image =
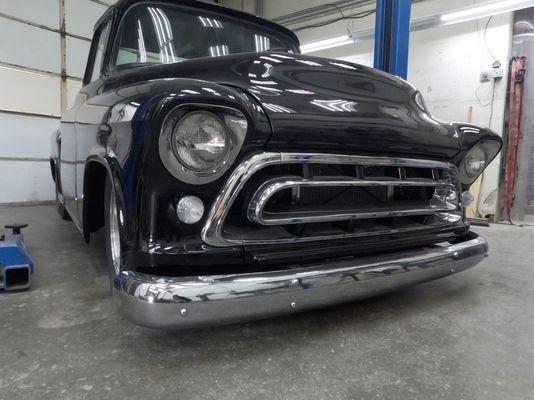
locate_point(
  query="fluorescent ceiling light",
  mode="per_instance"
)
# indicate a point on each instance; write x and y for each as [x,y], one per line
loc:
[326,44]
[485,10]
[474,12]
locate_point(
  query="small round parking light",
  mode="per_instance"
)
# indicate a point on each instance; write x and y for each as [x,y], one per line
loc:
[190,209]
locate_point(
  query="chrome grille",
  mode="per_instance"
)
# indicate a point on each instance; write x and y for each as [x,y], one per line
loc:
[293,197]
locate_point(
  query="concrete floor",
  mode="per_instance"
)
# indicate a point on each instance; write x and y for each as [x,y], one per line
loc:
[469,336]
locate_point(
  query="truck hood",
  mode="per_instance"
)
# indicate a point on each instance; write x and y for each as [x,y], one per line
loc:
[317,104]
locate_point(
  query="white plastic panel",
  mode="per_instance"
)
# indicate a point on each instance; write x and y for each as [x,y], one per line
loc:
[26,181]
[29,46]
[73,87]
[81,16]
[44,12]
[77,53]
[24,136]
[29,92]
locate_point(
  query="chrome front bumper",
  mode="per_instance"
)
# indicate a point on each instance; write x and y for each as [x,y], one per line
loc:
[185,302]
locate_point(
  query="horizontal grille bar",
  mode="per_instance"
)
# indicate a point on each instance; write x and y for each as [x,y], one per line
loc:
[257,208]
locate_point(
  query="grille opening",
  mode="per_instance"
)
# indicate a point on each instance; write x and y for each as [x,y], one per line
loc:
[335,198]
[421,173]
[366,227]
[379,171]
[314,201]
[354,171]
[323,170]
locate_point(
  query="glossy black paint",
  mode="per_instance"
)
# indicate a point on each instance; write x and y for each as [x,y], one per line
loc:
[315,103]
[292,102]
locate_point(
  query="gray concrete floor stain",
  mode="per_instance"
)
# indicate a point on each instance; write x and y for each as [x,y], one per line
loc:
[468,336]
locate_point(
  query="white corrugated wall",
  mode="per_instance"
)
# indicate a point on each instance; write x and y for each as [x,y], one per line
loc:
[31,88]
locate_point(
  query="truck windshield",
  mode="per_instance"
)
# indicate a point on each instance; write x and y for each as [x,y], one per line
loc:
[163,35]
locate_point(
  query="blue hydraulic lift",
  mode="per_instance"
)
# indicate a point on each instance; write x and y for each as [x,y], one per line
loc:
[392,33]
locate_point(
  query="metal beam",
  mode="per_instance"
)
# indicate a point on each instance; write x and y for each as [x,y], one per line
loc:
[63,50]
[392,34]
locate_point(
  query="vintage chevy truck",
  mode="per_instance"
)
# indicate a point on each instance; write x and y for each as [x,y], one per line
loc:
[236,179]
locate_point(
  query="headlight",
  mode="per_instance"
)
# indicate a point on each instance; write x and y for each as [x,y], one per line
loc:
[477,159]
[198,143]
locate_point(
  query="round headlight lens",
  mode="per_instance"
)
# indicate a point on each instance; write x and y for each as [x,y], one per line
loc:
[475,161]
[200,141]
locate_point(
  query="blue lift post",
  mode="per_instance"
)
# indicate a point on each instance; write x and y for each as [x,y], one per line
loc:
[392,35]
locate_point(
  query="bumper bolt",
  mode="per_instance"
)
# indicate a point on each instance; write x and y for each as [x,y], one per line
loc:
[184,312]
[293,305]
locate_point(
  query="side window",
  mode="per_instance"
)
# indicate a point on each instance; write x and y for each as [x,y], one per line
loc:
[96,56]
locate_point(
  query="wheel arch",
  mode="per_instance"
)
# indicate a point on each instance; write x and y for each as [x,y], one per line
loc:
[97,170]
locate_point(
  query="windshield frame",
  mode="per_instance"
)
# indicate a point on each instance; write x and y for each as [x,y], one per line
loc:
[234,15]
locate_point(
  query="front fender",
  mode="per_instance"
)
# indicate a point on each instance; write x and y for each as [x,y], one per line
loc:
[126,148]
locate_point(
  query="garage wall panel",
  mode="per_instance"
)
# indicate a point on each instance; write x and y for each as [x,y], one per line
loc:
[81,16]
[44,12]
[29,92]
[77,52]
[26,136]
[73,87]
[29,46]
[26,94]
[27,180]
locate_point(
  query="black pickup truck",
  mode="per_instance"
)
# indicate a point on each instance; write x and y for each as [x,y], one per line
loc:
[237,179]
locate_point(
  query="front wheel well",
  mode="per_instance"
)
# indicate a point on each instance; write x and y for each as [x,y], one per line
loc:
[93,195]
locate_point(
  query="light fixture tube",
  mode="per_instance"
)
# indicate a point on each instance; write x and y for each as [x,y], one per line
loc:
[484,10]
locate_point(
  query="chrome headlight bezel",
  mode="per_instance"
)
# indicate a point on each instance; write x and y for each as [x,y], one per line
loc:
[489,148]
[235,124]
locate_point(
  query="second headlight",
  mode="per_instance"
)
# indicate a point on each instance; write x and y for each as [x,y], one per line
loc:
[477,159]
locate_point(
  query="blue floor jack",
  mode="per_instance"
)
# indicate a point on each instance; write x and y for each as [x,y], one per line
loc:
[16,266]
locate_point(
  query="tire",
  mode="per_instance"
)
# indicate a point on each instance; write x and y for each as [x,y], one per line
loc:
[113,240]
[60,206]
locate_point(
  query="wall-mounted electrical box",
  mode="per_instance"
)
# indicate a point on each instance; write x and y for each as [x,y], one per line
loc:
[496,72]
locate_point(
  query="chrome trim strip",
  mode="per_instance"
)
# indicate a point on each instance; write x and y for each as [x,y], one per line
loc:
[320,158]
[212,232]
[185,302]
[265,192]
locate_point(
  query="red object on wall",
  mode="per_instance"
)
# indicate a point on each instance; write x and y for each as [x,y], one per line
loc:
[518,67]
